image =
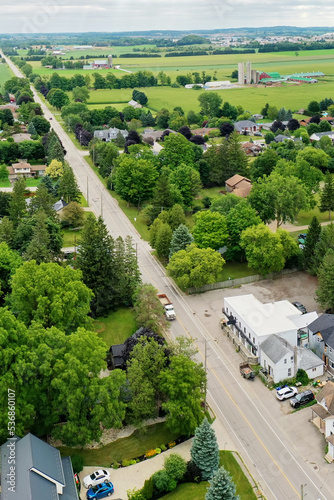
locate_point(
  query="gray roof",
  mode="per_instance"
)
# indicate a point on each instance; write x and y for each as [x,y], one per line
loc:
[308,359]
[281,138]
[59,205]
[244,124]
[39,468]
[274,347]
[325,325]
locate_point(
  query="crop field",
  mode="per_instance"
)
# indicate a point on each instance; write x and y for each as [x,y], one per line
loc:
[5,74]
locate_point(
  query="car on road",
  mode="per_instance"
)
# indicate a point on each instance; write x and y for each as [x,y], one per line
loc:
[286,393]
[302,398]
[102,490]
[300,307]
[97,477]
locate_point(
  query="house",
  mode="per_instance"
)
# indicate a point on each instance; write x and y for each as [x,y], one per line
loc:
[191,85]
[25,169]
[12,98]
[253,322]
[250,148]
[281,360]
[323,416]
[21,137]
[317,136]
[238,185]
[257,117]
[40,472]
[246,127]
[155,134]
[134,104]
[102,63]
[321,339]
[59,205]
[110,134]
[281,138]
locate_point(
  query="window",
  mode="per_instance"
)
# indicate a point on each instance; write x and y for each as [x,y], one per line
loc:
[253,340]
[330,349]
[249,335]
[314,369]
[239,324]
[291,359]
[244,330]
[331,364]
[285,361]
[227,309]
[289,372]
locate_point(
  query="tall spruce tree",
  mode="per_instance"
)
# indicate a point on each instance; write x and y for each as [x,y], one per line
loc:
[128,274]
[180,240]
[204,451]
[68,188]
[38,248]
[221,487]
[95,258]
[163,239]
[327,195]
[325,290]
[313,235]
[17,204]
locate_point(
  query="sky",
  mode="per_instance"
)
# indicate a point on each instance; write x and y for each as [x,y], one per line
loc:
[47,16]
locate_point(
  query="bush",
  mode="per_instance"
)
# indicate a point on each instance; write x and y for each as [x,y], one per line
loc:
[77,463]
[206,201]
[115,465]
[163,447]
[175,466]
[150,453]
[162,482]
[193,473]
[302,377]
[147,490]
[158,451]
[171,444]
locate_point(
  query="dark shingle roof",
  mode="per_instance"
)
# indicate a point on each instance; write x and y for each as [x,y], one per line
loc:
[325,325]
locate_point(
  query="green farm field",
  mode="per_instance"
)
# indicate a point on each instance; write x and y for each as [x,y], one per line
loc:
[5,74]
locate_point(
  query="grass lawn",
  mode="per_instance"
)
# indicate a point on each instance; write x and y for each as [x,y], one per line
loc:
[116,327]
[191,491]
[5,184]
[33,182]
[5,73]
[235,270]
[133,215]
[71,238]
[304,218]
[131,447]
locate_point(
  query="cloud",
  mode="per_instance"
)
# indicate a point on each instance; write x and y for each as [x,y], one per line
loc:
[135,15]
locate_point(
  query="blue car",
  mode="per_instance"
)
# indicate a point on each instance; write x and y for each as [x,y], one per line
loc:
[102,490]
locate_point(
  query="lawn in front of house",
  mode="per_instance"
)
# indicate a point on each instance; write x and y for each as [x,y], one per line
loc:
[142,440]
[116,327]
[235,270]
[71,237]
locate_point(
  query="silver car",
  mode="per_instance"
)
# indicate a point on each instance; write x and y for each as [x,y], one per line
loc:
[97,477]
[286,393]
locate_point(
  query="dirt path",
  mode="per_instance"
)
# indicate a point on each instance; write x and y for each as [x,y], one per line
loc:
[292,228]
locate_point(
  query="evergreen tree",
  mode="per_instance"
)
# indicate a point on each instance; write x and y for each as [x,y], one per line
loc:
[126,265]
[38,248]
[204,451]
[221,487]
[7,231]
[325,290]
[162,198]
[17,205]
[31,129]
[43,200]
[176,216]
[96,260]
[3,173]
[68,187]
[120,141]
[56,152]
[180,240]
[237,158]
[327,195]
[47,182]
[312,239]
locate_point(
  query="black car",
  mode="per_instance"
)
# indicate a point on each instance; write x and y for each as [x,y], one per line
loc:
[302,398]
[300,307]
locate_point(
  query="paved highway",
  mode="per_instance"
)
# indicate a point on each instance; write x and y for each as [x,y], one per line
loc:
[275,463]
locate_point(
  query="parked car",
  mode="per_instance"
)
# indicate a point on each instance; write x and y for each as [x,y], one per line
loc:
[302,240]
[300,307]
[301,399]
[100,491]
[97,477]
[286,393]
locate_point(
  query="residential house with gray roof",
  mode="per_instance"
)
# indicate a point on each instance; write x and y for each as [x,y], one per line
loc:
[110,134]
[40,472]
[321,339]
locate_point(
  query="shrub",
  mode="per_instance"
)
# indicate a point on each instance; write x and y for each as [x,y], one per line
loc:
[163,447]
[115,465]
[302,377]
[158,451]
[171,444]
[162,482]
[150,453]
[175,466]
[77,463]
[147,490]
[193,473]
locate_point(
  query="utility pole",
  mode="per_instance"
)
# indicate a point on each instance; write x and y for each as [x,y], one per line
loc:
[87,191]
[101,204]
[205,369]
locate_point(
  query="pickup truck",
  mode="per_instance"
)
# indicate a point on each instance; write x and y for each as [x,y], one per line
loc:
[246,371]
[168,306]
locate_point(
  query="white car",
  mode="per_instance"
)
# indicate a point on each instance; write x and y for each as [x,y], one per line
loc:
[97,477]
[286,393]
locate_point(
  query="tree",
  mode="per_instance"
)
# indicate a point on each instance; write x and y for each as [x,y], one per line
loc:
[183,383]
[163,240]
[210,103]
[177,150]
[175,466]
[194,267]
[205,451]
[51,295]
[313,107]
[147,360]
[7,231]
[176,216]
[148,310]
[41,124]
[223,204]
[55,169]
[313,235]
[180,240]
[42,200]
[188,182]
[73,214]
[293,124]
[325,126]
[58,99]
[210,230]
[17,204]
[4,203]
[80,93]
[134,179]
[325,242]
[3,173]
[238,219]
[68,187]
[278,197]
[10,261]
[264,249]
[31,129]
[221,487]
[128,274]
[325,290]
[327,195]
[38,248]
[314,157]
[226,129]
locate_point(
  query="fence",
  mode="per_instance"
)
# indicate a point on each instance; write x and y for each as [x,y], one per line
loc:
[238,281]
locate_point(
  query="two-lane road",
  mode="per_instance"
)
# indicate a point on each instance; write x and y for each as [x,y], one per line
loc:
[275,463]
